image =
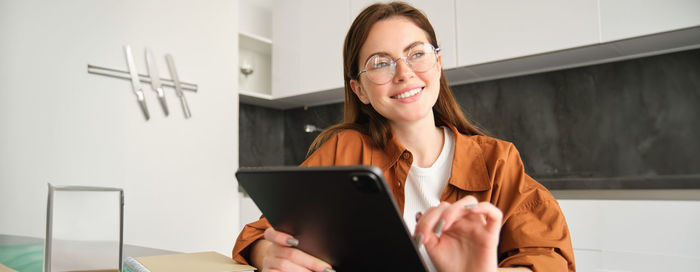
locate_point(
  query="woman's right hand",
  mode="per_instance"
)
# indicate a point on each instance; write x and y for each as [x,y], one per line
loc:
[277,252]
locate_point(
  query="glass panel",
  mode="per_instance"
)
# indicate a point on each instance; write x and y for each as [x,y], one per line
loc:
[85,230]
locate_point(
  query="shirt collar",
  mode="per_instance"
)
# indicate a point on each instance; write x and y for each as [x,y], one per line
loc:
[468,172]
[392,153]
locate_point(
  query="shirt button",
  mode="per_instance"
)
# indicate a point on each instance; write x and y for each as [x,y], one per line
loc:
[398,183]
[406,155]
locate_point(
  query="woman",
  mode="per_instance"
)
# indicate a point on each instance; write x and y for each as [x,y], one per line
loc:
[472,205]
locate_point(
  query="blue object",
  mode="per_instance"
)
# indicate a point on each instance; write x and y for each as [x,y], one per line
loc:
[23,258]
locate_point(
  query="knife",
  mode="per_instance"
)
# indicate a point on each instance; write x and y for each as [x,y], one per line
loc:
[178,87]
[155,80]
[135,82]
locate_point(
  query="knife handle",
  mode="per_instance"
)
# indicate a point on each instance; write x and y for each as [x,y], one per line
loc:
[163,104]
[185,107]
[144,109]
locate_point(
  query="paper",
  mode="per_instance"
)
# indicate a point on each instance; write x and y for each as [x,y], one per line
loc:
[187,262]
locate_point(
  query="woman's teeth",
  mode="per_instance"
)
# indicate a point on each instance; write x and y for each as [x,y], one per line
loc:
[409,93]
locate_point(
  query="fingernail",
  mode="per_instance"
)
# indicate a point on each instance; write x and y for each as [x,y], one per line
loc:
[470,206]
[328,269]
[438,228]
[292,242]
[418,215]
[418,240]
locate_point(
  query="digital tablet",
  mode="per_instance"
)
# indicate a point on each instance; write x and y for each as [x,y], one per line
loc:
[344,215]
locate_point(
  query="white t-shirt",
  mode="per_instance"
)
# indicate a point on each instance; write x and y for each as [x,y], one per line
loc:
[424,186]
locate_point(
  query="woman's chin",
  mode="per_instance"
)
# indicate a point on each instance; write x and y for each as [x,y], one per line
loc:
[412,117]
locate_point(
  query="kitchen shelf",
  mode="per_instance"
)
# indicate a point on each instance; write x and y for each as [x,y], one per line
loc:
[256,87]
[255,43]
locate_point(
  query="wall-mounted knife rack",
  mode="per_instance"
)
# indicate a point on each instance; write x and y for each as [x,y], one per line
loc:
[103,71]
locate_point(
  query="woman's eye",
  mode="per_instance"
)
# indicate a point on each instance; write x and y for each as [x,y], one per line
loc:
[417,55]
[379,65]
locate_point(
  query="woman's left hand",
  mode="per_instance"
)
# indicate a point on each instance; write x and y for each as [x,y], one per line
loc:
[462,236]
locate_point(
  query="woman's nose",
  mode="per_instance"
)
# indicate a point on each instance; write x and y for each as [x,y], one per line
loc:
[403,70]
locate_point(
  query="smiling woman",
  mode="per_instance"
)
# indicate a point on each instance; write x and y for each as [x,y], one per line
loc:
[478,209]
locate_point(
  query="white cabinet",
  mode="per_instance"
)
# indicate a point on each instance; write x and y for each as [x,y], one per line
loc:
[622,19]
[307,50]
[618,235]
[480,39]
[495,30]
[440,13]
[286,45]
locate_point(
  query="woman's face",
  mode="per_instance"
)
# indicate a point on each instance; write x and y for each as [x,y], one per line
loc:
[410,95]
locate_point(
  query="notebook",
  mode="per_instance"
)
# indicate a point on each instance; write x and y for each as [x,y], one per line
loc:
[185,262]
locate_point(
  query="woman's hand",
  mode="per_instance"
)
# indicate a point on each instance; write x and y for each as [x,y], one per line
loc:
[462,236]
[277,253]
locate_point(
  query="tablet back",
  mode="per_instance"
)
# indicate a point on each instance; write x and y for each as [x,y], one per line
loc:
[344,215]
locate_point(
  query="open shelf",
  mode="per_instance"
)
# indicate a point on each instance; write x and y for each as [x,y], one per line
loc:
[255,51]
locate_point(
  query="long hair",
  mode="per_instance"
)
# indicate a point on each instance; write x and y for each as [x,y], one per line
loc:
[363,117]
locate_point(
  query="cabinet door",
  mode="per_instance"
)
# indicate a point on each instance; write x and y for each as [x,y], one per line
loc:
[286,44]
[492,30]
[324,25]
[440,13]
[308,40]
[621,19]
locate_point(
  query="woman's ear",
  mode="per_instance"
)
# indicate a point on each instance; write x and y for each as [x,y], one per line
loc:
[357,89]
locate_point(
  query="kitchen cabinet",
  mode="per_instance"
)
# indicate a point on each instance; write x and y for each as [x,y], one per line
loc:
[496,30]
[480,39]
[622,19]
[613,235]
[307,50]
[441,14]
[286,43]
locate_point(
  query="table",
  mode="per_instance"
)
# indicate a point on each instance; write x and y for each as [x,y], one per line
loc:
[23,253]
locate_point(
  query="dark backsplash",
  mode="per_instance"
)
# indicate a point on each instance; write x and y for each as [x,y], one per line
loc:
[628,124]
[261,136]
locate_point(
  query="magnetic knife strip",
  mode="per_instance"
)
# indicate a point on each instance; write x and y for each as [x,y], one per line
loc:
[97,70]
[153,78]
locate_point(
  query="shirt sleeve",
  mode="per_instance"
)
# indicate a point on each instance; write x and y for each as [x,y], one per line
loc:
[534,232]
[249,234]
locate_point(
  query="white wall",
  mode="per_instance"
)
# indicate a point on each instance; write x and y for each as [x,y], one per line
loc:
[62,125]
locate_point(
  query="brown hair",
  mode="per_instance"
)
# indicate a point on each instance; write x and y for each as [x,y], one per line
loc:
[363,117]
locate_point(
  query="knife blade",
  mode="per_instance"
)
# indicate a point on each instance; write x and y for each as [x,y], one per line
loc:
[155,80]
[178,86]
[135,82]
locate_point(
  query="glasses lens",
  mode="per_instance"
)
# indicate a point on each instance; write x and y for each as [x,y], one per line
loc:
[422,57]
[380,69]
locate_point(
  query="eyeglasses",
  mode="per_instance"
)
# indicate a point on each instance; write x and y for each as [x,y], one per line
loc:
[381,68]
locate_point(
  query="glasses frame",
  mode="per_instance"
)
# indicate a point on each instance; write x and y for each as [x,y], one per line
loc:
[395,61]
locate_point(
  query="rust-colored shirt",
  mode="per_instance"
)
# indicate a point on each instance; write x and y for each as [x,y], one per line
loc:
[534,232]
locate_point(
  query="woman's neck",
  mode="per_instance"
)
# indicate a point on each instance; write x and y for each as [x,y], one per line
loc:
[422,138]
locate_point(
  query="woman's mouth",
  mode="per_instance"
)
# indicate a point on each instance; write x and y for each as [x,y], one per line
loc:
[408,93]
